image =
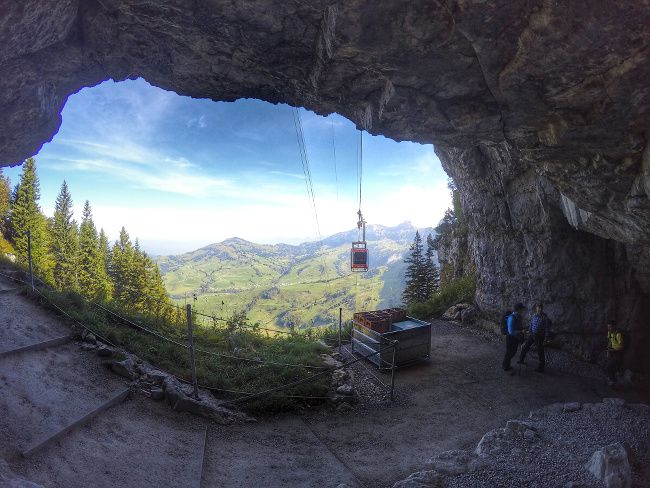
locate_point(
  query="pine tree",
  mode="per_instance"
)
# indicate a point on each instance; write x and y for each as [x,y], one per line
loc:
[65,242]
[106,286]
[122,263]
[5,202]
[92,270]
[415,289]
[432,273]
[26,215]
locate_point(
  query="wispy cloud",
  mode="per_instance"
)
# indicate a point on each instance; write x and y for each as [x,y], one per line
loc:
[200,122]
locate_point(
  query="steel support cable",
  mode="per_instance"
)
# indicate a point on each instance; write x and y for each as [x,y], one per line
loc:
[360,165]
[300,134]
[336,176]
[308,379]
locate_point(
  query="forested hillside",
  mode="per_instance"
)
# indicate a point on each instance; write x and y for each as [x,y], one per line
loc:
[284,285]
[73,256]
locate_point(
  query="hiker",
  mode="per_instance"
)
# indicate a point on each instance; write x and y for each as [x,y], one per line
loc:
[615,348]
[513,336]
[538,328]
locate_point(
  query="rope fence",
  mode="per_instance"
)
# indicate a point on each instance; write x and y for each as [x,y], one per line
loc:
[244,396]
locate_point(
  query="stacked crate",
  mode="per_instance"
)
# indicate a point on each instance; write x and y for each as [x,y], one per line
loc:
[380,320]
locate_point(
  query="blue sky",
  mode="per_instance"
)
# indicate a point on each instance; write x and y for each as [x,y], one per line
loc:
[181,173]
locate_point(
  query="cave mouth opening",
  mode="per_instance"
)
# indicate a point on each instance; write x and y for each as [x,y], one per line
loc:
[143,155]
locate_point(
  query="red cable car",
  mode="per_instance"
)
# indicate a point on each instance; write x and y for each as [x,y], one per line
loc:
[359,252]
[359,256]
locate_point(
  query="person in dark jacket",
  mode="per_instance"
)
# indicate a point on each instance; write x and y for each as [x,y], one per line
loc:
[539,327]
[513,337]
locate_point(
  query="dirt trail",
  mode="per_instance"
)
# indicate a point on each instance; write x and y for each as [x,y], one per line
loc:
[447,403]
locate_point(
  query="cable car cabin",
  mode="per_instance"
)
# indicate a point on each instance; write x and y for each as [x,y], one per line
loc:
[359,257]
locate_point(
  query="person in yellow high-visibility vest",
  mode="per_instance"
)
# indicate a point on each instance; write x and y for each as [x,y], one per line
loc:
[615,348]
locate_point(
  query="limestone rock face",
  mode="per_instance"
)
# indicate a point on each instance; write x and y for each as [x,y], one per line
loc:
[538,110]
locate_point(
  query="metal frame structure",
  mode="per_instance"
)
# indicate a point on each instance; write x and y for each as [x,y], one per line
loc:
[413,345]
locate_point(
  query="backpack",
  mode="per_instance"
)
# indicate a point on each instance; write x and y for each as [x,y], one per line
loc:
[504,322]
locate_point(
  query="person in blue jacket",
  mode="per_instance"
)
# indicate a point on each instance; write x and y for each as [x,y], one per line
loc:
[513,337]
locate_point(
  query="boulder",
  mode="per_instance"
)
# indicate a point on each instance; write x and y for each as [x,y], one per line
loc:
[492,442]
[342,376]
[180,397]
[455,312]
[343,407]
[347,390]
[519,427]
[104,352]
[329,362]
[455,462]
[618,402]
[125,368]
[571,407]
[611,466]
[157,394]
[89,337]
[422,479]
[470,315]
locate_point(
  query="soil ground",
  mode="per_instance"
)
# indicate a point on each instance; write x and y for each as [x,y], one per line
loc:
[447,403]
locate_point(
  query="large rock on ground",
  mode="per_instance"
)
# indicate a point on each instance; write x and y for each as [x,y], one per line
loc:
[611,466]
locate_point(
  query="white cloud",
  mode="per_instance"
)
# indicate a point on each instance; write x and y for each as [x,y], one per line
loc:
[200,122]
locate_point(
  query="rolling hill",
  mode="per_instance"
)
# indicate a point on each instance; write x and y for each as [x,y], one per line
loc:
[281,284]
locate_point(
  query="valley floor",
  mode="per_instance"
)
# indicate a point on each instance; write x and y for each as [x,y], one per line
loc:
[448,403]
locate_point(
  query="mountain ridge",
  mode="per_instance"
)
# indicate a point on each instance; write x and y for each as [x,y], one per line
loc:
[292,283]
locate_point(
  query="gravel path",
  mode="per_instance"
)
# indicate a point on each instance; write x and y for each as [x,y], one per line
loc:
[549,448]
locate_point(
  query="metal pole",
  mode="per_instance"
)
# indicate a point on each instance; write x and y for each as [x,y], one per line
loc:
[392,373]
[188,308]
[29,257]
[340,326]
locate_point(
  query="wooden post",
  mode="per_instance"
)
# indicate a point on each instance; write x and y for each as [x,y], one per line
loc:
[188,308]
[392,373]
[29,257]
[340,326]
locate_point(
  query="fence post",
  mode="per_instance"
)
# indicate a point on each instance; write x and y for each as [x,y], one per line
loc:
[392,373]
[188,308]
[29,257]
[340,326]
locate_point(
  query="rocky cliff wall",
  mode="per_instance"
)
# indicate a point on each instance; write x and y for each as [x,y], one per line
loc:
[538,109]
[525,249]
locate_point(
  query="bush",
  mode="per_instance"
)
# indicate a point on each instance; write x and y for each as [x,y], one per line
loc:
[458,291]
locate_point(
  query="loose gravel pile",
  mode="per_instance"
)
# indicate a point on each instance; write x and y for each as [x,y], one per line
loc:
[550,448]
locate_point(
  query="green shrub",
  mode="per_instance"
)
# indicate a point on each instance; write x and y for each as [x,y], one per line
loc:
[458,291]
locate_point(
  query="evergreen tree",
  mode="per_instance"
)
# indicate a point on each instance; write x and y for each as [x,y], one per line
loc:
[5,202]
[122,263]
[92,270]
[106,291]
[65,242]
[432,273]
[415,289]
[26,215]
